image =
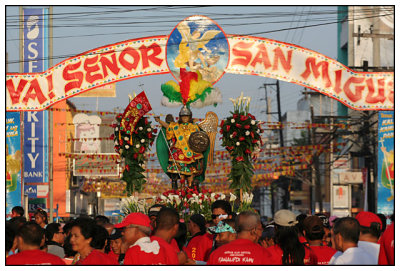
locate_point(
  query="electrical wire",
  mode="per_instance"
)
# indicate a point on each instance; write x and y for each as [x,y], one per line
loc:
[249,34]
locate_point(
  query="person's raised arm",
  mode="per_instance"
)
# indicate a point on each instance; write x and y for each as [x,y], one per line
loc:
[163,123]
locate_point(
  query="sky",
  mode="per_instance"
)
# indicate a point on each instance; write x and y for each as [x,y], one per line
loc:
[81,28]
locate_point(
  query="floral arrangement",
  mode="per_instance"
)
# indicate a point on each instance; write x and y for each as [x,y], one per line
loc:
[132,146]
[187,202]
[134,205]
[241,137]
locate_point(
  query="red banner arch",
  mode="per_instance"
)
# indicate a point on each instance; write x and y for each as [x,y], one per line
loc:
[248,55]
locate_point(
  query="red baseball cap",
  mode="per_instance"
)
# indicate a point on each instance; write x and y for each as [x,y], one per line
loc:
[139,219]
[366,218]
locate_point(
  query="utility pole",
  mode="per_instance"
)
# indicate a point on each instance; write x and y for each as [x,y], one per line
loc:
[316,182]
[51,190]
[281,142]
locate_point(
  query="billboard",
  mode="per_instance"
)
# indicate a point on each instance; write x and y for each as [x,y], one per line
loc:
[36,147]
[386,163]
[13,160]
[35,51]
[87,130]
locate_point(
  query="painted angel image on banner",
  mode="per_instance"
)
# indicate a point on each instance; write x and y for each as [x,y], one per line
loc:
[198,44]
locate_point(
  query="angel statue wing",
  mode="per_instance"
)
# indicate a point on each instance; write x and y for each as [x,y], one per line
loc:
[210,126]
[209,35]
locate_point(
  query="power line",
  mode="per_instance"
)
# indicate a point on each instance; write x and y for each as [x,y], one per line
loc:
[249,34]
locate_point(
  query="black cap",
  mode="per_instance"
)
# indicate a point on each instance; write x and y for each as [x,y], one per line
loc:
[155,209]
[116,233]
[199,220]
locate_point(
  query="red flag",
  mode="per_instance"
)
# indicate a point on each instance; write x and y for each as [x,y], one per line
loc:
[136,109]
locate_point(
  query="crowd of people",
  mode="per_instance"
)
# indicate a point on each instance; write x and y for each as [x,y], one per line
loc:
[161,237]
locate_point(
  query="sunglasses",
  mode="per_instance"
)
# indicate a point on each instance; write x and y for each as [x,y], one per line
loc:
[219,216]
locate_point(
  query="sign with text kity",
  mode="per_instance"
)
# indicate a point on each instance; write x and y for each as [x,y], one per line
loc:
[35,147]
[35,54]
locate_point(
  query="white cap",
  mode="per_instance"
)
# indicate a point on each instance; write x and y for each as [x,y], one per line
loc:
[285,218]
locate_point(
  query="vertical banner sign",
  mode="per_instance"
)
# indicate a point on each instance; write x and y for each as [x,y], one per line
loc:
[386,163]
[36,139]
[13,161]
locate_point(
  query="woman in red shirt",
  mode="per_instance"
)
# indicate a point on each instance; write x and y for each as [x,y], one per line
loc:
[288,250]
[82,235]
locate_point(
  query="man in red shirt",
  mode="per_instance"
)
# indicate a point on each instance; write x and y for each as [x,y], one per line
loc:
[29,237]
[197,228]
[224,231]
[167,225]
[244,250]
[314,232]
[221,209]
[116,244]
[142,250]
[386,252]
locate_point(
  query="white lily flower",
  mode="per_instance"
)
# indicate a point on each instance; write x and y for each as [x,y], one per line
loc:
[232,197]
[251,197]
[171,197]
[245,197]
[163,197]
[232,100]
[177,199]
[223,196]
[212,196]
